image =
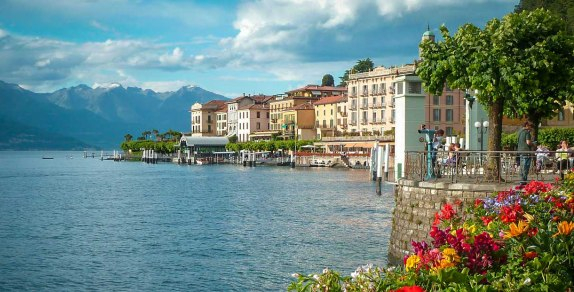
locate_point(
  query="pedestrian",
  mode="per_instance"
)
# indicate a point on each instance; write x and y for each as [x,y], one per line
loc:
[525,145]
[436,145]
[562,156]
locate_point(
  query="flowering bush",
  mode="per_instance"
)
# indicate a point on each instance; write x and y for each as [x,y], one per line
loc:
[521,239]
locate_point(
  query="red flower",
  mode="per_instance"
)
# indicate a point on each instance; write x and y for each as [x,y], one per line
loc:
[447,212]
[410,289]
[530,255]
[532,232]
[509,214]
[478,203]
[486,220]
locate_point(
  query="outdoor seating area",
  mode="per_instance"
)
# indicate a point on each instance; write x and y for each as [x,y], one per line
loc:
[472,166]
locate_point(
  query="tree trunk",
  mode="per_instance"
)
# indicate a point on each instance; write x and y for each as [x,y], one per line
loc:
[492,167]
[535,120]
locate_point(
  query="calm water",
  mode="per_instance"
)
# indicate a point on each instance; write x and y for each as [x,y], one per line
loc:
[86,224]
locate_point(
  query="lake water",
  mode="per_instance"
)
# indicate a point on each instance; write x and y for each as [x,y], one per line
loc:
[85,224]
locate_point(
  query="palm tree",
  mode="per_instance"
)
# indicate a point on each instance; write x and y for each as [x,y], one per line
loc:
[128,137]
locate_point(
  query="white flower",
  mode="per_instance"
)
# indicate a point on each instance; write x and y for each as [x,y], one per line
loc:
[527,281]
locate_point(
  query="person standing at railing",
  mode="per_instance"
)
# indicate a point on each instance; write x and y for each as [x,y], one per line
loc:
[436,145]
[562,156]
[525,145]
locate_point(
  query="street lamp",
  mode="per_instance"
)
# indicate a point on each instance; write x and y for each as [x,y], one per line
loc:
[481,128]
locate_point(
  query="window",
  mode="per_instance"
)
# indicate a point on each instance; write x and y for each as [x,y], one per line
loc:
[331,123]
[374,116]
[449,131]
[400,86]
[324,124]
[392,116]
[382,100]
[353,91]
[365,90]
[331,111]
[436,115]
[374,88]
[317,124]
[258,125]
[267,114]
[415,87]
[382,89]
[449,115]
[449,100]
[374,100]
[382,114]
[258,115]
[436,100]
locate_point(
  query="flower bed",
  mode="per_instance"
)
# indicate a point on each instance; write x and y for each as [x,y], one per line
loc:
[520,239]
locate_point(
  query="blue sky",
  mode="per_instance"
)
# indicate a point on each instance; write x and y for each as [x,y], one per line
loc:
[228,47]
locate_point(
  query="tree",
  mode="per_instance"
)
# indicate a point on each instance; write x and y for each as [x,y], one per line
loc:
[562,8]
[155,132]
[145,134]
[128,137]
[365,65]
[328,80]
[491,60]
[544,62]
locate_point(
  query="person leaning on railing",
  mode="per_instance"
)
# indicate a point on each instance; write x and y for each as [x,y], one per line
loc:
[525,145]
[563,153]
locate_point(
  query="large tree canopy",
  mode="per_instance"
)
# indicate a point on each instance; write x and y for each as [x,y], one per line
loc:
[509,62]
[328,80]
[562,8]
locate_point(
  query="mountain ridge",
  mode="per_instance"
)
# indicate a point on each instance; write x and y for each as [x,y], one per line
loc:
[99,117]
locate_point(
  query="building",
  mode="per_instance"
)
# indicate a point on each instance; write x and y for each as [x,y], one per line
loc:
[222,121]
[251,119]
[330,116]
[239,102]
[371,99]
[204,116]
[446,111]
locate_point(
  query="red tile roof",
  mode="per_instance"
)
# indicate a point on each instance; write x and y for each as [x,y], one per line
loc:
[303,106]
[331,99]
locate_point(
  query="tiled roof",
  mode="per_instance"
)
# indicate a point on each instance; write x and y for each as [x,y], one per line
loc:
[319,88]
[215,105]
[255,107]
[331,99]
[303,106]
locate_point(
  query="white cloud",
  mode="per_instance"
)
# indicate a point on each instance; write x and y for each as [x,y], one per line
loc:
[173,59]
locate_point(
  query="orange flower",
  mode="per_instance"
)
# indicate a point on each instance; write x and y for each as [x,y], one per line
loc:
[516,230]
[564,228]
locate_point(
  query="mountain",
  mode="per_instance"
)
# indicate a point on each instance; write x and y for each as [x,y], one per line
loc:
[92,117]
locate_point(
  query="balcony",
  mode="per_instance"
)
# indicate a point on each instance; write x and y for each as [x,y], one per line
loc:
[364,106]
[365,93]
[364,121]
[353,95]
[343,114]
[354,107]
[274,121]
[377,105]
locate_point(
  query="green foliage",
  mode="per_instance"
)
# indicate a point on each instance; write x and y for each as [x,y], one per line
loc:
[549,137]
[267,145]
[516,240]
[160,147]
[233,139]
[328,80]
[562,8]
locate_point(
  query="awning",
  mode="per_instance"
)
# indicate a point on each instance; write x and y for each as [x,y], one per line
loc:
[360,145]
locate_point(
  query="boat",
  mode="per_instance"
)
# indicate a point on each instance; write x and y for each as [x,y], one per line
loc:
[202,161]
[319,163]
[46,157]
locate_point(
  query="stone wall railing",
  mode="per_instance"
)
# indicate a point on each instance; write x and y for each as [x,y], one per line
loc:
[417,202]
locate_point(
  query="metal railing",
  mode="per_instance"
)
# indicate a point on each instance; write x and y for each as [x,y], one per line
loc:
[476,166]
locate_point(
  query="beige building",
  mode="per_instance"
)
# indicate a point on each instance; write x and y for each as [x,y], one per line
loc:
[239,102]
[299,122]
[204,117]
[370,103]
[251,119]
[222,121]
[330,116]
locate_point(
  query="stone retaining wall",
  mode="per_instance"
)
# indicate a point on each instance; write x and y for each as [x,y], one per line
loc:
[416,204]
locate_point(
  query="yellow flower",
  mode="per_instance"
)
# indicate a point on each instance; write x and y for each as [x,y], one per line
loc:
[516,230]
[564,228]
[450,255]
[470,228]
[529,218]
[412,262]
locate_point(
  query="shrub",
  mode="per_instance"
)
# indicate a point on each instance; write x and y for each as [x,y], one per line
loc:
[516,240]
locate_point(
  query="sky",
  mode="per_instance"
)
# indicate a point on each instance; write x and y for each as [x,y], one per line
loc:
[224,46]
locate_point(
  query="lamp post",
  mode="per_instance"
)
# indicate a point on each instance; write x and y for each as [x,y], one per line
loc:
[481,128]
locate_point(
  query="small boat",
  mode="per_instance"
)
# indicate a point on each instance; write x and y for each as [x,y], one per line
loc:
[317,163]
[46,157]
[202,161]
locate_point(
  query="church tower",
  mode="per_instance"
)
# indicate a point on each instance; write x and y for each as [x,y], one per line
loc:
[428,35]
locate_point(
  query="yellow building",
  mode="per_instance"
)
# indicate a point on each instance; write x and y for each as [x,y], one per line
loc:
[330,116]
[204,118]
